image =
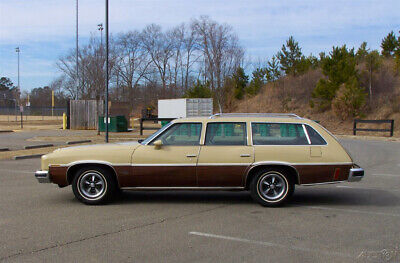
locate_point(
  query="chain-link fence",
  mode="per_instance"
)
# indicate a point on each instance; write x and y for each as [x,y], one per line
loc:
[33,113]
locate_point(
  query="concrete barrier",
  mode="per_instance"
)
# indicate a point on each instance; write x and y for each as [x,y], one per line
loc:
[20,157]
[38,146]
[76,142]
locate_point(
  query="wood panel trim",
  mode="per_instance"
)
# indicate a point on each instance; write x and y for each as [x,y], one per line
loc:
[58,175]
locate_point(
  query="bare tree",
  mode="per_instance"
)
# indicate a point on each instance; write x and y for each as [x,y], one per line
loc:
[160,50]
[132,63]
[190,56]
[222,53]
[92,64]
[151,64]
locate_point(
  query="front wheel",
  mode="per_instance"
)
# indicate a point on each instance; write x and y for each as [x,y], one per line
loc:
[94,185]
[272,187]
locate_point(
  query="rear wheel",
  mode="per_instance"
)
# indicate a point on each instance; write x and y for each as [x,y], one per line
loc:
[94,185]
[272,187]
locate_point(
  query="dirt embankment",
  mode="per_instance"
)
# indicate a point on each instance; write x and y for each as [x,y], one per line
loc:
[292,94]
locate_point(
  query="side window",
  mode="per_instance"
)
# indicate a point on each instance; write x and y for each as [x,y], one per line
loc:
[315,138]
[278,134]
[181,134]
[226,133]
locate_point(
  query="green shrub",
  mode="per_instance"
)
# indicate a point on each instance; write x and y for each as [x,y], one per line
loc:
[349,100]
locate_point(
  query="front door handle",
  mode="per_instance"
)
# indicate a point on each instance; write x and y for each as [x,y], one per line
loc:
[245,155]
[191,155]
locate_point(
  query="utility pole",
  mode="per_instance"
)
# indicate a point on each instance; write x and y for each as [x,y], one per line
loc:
[77,54]
[100,28]
[18,87]
[106,70]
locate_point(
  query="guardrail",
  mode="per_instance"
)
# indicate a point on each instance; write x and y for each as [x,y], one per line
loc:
[154,120]
[355,129]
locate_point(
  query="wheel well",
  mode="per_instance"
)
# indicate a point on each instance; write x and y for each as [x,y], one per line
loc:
[291,171]
[73,169]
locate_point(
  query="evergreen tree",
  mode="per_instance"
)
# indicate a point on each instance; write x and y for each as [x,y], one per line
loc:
[6,84]
[289,56]
[306,63]
[273,72]
[397,54]
[362,51]
[389,44]
[240,80]
[199,90]
[257,81]
[339,67]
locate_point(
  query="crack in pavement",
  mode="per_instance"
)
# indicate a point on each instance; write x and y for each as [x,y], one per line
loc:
[160,221]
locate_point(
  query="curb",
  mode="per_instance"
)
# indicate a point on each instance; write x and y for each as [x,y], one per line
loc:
[20,157]
[38,146]
[6,131]
[76,142]
[4,149]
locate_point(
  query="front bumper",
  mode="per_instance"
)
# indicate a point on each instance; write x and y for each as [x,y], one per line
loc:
[43,176]
[356,174]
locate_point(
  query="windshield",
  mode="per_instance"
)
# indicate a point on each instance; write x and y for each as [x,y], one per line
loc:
[151,137]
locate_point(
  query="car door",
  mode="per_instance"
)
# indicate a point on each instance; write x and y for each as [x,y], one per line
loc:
[225,155]
[173,164]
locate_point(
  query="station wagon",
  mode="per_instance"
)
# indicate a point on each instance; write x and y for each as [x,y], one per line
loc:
[266,154]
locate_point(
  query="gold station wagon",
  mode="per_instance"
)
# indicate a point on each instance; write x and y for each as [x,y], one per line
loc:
[267,154]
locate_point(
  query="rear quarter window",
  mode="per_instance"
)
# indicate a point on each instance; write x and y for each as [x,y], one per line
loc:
[315,137]
[278,134]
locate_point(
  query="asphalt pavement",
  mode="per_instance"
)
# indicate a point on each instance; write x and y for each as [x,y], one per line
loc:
[17,140]
[349,222]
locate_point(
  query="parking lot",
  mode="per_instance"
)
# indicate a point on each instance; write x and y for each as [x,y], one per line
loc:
[332,223]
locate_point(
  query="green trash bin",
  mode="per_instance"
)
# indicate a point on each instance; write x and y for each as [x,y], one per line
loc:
[163,123]
[116,124]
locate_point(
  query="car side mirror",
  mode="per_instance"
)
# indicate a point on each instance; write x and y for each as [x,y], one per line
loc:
[157,144]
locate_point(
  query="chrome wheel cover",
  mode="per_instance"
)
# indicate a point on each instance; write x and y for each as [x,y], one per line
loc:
[272,186]
[92,185]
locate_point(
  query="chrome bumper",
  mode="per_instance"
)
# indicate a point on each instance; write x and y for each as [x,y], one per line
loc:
[356,174]
[43,176]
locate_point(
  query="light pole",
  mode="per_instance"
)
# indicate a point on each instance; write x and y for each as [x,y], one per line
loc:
[106,70]
[18,88]
[100,28]
[77,54]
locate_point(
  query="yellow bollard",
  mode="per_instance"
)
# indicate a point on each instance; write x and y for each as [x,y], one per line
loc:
[132,119]
[64,121]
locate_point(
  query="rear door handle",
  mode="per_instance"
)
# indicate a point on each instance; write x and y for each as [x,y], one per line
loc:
[191,155]
[245,155]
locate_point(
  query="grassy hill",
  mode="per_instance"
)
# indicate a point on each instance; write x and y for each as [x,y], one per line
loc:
[293,94]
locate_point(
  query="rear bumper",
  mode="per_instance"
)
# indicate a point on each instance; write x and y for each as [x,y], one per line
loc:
[43,176]
[356,174]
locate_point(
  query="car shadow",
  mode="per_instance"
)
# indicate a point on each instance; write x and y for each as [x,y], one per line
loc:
[174,197]
[304,196]
[329,196]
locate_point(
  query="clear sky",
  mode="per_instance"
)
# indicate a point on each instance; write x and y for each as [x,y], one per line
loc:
[45,29]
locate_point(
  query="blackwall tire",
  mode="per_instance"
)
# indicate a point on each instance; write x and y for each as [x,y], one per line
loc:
[272,187]
[94,185]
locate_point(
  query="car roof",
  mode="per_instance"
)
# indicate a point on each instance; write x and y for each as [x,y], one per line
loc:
[264,117]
